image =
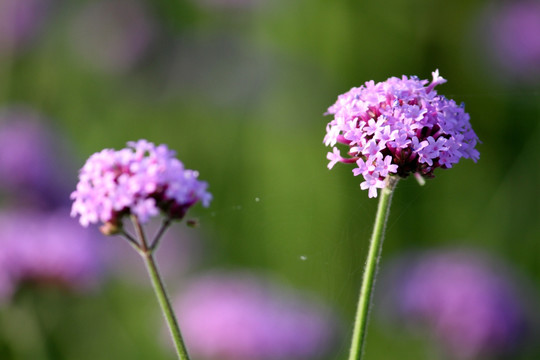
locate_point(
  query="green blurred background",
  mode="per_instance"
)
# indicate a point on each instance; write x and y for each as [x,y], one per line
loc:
[239,89]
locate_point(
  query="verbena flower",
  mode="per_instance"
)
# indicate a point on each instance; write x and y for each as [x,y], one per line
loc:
[139,180]
[240,316]
[31,159]
[398,127]
[47,248]
[469,302]
[511,31]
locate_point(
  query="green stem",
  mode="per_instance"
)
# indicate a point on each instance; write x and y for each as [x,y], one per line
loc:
[368,279]
[160,233]
[161,293]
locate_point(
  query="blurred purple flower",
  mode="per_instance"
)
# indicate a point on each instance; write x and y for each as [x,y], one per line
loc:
[513,32]
[20,22]
[113,36]
[31,159]
[141,180]
[239,316]
[398,127]
[47,248]
[469,302]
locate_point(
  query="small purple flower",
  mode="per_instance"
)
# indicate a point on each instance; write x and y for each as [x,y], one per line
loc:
[334,157]
[465,299]
[47,248]
[511,30]
[399,127]
[31,159]
[238,316]
[141,180]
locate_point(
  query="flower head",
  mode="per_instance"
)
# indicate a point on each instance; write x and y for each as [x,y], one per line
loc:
[238,316]
[47,248]
[32,159]
[511,31]
[398,127]
[466,299]
[139,180]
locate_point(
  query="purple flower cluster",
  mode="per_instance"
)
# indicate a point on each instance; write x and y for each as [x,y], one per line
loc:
[466,300]
[47,248]
[141,179]
[40,243]
[511,30]
[399,127]
[237,316]
[28,148]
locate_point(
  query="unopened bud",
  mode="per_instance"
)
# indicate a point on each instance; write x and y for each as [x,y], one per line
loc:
[111,228]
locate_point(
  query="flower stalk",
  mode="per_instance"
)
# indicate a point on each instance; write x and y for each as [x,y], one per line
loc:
[147,253]
[393,129]
[140,182]
[370,271]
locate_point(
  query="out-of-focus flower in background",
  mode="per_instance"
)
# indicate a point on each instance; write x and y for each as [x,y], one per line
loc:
[243,316]
[33,162]
[21,22]
[48,248]
[470,302]
[511,31]
[113,36]
[41,244]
